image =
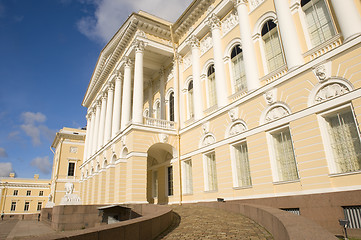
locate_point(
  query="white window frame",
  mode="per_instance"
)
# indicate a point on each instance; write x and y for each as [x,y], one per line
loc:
[206,170]
[304,24]
[187,177]
[13,206]
[235,173]
[272,152]
[67,172]
[333,169]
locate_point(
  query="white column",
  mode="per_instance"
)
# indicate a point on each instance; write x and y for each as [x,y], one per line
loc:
[221,85]
[127,91]
[150,98]
[109,114]
[291,43]
[87,137]
[138,83]
[102,121]
[249,53]
[197,92]
[96,127]
[117,104]
[161,91]
[92,131]
[348,18]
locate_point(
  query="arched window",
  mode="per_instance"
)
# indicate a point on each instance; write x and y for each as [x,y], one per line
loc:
[190,100]
[239,76]
[273,50]
[319,24]
[211,86]
[171,106]
[157,110]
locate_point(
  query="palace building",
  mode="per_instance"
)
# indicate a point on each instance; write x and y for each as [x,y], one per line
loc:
[23,197]
[250,101]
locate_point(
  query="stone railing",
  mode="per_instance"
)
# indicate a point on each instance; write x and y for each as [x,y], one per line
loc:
[160,123]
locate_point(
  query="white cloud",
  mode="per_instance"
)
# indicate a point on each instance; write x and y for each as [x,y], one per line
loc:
[109,15]
[34,128]
[3,153]
[5,169]
[42,163]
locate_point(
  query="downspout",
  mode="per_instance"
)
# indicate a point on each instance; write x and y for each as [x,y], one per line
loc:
[178,115]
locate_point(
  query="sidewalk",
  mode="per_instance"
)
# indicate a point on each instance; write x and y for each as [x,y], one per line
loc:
[10,229]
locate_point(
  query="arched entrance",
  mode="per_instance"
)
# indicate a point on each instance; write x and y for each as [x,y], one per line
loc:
[159,173]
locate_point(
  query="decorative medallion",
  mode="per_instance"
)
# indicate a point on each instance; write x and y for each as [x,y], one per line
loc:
[233,114]
[163,137]
[205,128]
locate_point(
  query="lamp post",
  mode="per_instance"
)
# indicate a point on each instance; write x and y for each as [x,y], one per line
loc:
[344,223]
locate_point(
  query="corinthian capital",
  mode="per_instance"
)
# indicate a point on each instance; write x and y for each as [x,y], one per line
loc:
[128,62]
[239,2]
[193,42]
[110,87]
[214,22]
[139,45]
[118,74]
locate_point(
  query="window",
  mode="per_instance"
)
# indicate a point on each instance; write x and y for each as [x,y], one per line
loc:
[157,110]
[13,206]
[343,141]
[16,192]
[319,24]
[211,172]
[41,193]
[285,162]
[26,206]
[353,214]
[243,175]
[155,184]
[39,206]
[187,178]
[239,75]
[292,210]
[171,107]
[71,168]
[212,86]
[273,50]
[170,180]
[28,193]
[190,100]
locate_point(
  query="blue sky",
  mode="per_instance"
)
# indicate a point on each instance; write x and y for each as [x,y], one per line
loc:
[48,50]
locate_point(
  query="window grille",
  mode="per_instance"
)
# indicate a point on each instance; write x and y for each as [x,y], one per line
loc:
[353,214]
[285,158]
[292,210]
[345,141]
[242,165]
[187,177]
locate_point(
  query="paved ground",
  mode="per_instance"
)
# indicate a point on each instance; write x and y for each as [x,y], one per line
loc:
[191,222]
[194,222]
[10,229]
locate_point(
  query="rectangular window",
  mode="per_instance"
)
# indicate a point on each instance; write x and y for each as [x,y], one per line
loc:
[292,210]
[71,168]
[26,206]
[243,174]
[211,172]
[170,180]
[285,162]
[353,214]
[344,141]
[155,184]
[13,206]
[41,193]
[187,177]
[28,193]
[39,206]
[16,192]
[319,24]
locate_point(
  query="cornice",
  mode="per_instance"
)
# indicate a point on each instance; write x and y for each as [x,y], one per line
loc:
[117,46]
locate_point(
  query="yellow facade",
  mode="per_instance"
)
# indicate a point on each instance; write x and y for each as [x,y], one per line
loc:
[281,125]
[68,148]
[23,196]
